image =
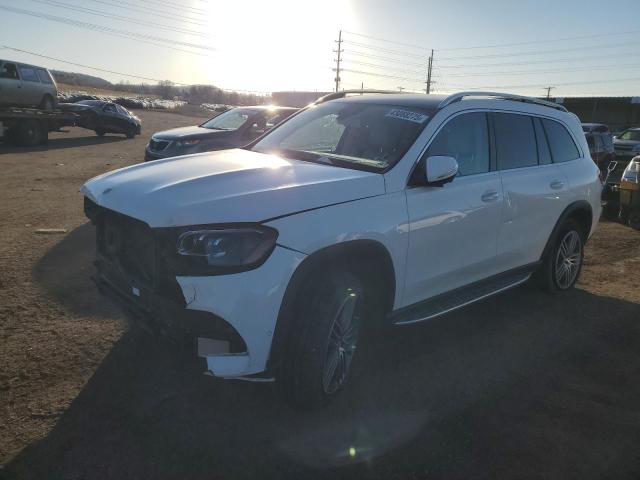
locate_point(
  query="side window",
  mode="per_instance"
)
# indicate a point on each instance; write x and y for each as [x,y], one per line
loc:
[43,75]
[563,148]
[465,138]
[544,153]
[598,139]
[29,74]
[515,141]
[591,142]
[9,71]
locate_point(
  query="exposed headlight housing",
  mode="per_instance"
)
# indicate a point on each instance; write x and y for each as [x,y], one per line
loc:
[219,250]
[187,143]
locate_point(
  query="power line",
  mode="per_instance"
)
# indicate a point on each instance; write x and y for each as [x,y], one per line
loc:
[546,71]
[376,65]
[118,17]
[386,59]
[542,85]
[373,74]
[108,30]
[387,41]
[385,50]
[158,13]
[542,52]
[532,62]
[532,42]
[87,66]
[119,73]
[195,10]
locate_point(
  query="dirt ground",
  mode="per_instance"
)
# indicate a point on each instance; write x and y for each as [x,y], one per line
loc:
[523,385]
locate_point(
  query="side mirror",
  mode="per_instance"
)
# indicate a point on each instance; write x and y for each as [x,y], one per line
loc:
[440,169]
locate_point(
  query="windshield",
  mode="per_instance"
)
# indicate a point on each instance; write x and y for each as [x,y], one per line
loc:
[230,120]
[630,135]
[348,134]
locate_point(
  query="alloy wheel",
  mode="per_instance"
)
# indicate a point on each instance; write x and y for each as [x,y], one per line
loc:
[341,346]
[568,260]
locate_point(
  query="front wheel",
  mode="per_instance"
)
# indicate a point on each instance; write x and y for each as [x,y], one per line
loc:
[562,264]
[131,132]
[323,344]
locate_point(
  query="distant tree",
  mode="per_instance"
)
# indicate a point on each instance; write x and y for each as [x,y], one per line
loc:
[165,89]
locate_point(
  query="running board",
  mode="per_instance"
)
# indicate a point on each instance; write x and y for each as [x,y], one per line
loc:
[460,297]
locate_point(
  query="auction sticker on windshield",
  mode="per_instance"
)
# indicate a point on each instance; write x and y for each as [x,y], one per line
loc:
[407,115]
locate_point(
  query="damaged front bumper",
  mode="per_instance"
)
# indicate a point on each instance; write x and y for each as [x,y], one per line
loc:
[230,318]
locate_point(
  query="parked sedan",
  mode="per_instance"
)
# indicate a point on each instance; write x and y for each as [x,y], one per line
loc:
[627,144]
[106,117]
[233,128]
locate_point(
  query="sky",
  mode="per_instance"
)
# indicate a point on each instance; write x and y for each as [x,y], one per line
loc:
[578,47]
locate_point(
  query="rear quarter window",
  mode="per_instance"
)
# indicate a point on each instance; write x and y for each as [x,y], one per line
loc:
[563,148]
[44,76]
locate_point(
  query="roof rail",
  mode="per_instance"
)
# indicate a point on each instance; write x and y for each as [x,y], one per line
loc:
[456,97]
[344,93]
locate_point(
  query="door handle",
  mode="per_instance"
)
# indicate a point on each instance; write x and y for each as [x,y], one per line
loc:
[489,196]
[556,184]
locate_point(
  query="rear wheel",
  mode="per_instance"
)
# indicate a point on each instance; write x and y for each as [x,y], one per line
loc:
[47,103]
[99,132]
[323,344]
[562,263]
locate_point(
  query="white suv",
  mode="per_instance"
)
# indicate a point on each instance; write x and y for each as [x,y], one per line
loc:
[369,209]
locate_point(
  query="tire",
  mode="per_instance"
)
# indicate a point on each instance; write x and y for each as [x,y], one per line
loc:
[131,132]
[99,132]
[47,103]
[30,133]
[633,220]
[562,263]
[322,345]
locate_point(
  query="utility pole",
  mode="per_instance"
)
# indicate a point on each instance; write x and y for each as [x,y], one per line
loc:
[429,68]
[400,89]
[338,51]
[548,89]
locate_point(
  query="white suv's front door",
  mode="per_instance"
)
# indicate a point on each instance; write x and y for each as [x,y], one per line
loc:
[453,229]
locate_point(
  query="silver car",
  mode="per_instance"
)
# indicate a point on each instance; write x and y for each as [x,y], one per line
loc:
[23,85]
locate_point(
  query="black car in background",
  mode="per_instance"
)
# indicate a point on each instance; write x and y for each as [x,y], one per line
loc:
[231,129]
[105,117]
[600,141]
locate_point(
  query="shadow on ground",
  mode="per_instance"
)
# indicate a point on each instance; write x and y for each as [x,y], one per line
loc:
[60,143]
[523,385]
[65,273]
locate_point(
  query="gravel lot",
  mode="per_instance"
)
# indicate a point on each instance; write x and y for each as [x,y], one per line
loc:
[523,385]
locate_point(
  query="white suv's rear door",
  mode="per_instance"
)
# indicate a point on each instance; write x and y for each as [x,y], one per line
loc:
[534,189]
[453,229]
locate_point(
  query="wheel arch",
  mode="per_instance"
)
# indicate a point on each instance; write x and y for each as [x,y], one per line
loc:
[580,211]
[368,258]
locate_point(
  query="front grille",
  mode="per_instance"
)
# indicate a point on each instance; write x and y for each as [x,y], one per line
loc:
[158,145]
[129,244]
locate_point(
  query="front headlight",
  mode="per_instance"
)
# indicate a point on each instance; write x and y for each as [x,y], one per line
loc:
[186,143]
[226,250]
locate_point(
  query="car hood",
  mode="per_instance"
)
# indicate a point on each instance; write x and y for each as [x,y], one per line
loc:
[227,186]
[190,132]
